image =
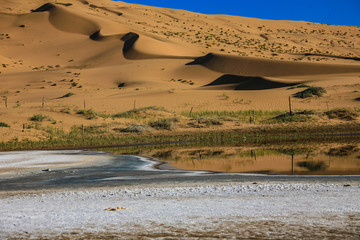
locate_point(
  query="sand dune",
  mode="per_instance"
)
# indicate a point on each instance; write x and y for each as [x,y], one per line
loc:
[105,52]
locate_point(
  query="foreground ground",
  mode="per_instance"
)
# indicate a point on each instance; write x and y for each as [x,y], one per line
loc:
[267,210]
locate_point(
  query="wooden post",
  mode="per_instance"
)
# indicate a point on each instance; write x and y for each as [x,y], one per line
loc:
[84,104]
[23,130]
[134,104]
[6,101]
[290,106]
[83,129]
[327,105]
[43,102]
[250,120]
[254,117]
[191,111]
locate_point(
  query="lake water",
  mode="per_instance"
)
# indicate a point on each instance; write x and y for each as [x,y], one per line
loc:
[113,167]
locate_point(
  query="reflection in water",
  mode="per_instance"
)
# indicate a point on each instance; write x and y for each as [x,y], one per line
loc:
[339,160]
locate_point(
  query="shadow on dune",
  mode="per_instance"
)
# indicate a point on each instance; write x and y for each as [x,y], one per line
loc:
[247,83]
[129,41]
[43,8]
[250,66]
[65,4]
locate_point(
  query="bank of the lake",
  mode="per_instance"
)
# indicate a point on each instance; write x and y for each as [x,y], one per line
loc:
[260,134]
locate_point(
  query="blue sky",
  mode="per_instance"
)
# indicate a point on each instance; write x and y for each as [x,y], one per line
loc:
[338,12]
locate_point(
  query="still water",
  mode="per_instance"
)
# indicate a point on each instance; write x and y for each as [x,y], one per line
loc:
[339,160]
[143,165]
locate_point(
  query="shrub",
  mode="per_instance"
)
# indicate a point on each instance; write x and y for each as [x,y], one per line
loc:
[311,91]
[210,121]
[68,95]
[39,118]
[89,114]
[164,123]
[136,112]
[299,86]
[343,114]
[2,124]
[303,116]
[136,129]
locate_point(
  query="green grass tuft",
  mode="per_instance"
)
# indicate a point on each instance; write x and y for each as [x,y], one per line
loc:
[136,129]
[164,123]
[311,91]
[299,86]
[2,124]
[39,118]
[135,113]
[342,114]
[68,95]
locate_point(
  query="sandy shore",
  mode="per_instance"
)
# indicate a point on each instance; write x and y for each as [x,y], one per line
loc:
[269,210]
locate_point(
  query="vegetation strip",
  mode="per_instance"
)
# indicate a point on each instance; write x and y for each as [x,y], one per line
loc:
[61,140]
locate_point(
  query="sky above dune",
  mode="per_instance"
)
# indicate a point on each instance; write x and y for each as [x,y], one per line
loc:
[344,12]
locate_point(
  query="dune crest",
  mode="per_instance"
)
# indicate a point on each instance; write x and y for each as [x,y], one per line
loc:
[66,20]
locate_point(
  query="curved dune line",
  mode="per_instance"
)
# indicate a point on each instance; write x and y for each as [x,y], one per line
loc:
[236,82]
[156,50]
[249,66]
[67,21]
[331,56]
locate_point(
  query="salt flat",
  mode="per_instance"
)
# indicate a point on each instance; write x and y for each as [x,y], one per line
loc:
[189,210]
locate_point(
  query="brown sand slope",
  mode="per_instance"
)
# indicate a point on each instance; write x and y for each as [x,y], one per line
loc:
[113,53]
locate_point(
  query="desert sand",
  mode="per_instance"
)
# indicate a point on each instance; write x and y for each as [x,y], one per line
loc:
[114,56]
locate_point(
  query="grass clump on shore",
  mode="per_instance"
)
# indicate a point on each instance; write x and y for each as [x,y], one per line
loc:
[311,91]
[2,124]
[303,116]
[342,114]
[241,115]
[210,121]
[164,123]
[136,129]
